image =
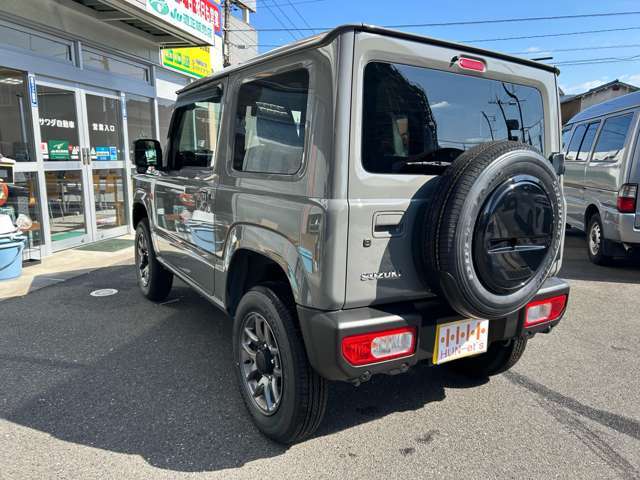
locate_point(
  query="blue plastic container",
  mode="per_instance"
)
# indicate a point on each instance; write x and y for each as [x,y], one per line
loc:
[11,257]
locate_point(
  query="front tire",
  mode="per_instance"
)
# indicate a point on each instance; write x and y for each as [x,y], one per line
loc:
[500,357]
[595,241]
[154,280]
[284,395]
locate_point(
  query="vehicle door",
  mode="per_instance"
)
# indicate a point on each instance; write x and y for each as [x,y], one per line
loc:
[577,155]
[606,171]
[184,198]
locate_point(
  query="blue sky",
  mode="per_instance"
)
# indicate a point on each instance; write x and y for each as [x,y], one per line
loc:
[573,78]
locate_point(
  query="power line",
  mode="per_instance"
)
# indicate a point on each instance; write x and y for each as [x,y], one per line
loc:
[571,64]
[514,20]
[598,60]
[479,22]
[295,3]
[279,21]
[288,19]
[546,35]
[300,15]
[579,49]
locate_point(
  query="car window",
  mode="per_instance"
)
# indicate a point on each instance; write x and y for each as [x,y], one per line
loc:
[587,141]
[576,141]
[418,120]
[196,136]
[270,120]
[612,139]
[566,136]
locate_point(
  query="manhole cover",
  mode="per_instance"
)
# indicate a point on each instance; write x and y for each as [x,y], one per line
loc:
[104,292]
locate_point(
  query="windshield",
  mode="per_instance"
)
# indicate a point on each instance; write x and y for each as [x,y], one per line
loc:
[418,120]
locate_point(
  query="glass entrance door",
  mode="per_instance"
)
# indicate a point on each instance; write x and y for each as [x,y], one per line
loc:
[106,164]
[65,177]
[83,151]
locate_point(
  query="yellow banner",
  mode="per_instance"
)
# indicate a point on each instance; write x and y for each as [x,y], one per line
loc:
[194,61]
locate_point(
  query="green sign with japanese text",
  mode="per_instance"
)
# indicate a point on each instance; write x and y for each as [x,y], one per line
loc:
[58,150]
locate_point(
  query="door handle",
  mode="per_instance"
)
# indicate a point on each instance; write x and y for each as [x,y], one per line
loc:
[388,224]
[85,156]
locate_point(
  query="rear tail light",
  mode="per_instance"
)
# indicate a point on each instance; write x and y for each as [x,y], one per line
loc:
[378,346]
[543,311]
[473,64]
[627,198]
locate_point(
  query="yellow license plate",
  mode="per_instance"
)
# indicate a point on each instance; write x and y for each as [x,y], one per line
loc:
[460,339]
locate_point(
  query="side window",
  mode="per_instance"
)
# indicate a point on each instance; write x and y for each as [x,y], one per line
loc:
[576,141]
[270,123]
[587,141]
[195,140]
[566,136]
[613,136]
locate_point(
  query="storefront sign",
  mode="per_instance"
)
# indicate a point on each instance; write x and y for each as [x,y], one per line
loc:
[33,91]
[194,61]
[200,18]
[57,123]
[58,149]
[104,154]
[103,127]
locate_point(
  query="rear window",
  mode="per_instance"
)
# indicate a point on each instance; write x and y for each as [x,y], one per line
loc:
[418,120]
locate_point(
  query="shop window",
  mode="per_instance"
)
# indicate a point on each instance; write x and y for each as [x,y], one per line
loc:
[99,61]
[105,128]
[14,116]
[139,120]
[65,204]
[56,50]
[58,124]
[22,199]
[108,192]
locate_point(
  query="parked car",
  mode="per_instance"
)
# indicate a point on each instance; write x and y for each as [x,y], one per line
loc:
[359,202]
[602,176]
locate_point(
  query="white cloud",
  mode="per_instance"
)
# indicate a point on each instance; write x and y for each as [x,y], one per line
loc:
[633,79]
[533,49]
[583,87]
[442,104]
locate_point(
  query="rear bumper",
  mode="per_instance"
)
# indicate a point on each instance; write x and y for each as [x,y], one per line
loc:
[323,332]
[621,227]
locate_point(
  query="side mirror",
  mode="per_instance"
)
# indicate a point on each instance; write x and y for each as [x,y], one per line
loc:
[147,153]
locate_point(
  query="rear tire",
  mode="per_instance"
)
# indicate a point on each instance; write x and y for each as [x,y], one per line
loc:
[499,358]
[154,280]
[595,241]
[276,359]
[493,232]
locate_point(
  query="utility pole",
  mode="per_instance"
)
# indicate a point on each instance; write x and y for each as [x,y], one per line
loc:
[226,57]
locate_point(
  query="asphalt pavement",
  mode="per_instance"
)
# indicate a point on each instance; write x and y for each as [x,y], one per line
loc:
[118,387]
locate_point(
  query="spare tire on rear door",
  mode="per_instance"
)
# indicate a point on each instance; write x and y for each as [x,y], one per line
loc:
[490,239]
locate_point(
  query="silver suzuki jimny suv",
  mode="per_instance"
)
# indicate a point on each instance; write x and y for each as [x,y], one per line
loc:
[358,202]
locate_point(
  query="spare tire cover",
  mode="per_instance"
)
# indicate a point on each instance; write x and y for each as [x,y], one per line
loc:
[492,234]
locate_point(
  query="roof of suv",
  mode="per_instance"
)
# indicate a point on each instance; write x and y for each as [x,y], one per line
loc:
[329,36]
[616,104]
